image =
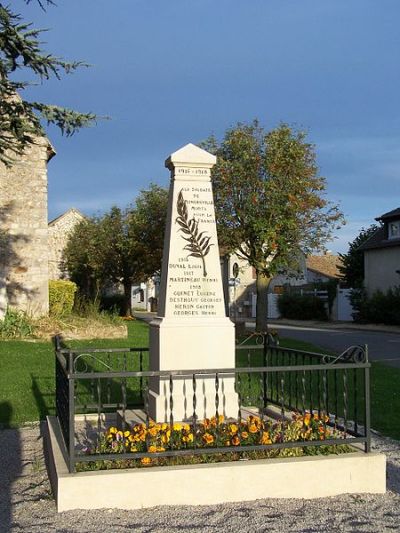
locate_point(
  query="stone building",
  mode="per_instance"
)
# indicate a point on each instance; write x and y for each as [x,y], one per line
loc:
[59,231]
[23,224]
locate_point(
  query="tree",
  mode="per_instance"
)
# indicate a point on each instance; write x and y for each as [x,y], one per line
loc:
[269,200]
[352,267]
[120,247]
[20,120]
[150,217]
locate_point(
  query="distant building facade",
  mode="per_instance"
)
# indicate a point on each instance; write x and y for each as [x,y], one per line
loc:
[382,254]
[59,231]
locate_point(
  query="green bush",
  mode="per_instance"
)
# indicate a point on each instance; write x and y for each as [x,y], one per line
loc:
[15,325]
[61,297]
[381,308]
[301,307]
[114,303]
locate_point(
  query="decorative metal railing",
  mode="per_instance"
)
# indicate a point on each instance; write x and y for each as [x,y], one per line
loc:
[270,381]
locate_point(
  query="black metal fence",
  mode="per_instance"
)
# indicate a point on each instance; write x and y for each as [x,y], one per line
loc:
[270,382]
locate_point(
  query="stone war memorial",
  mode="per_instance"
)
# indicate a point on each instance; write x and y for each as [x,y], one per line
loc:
[191,330]
[259,419]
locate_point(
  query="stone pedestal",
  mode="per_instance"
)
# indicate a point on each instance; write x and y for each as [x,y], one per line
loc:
[191,331]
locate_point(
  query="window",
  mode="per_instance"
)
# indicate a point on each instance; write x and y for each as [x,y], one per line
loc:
[394,230]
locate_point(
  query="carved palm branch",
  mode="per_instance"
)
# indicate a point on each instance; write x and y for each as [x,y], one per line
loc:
[198,243]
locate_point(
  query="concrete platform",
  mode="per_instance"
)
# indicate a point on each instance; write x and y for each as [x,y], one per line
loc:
[302,477]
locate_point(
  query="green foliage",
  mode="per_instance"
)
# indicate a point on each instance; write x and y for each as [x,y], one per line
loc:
[352,267]
[61,297]
[301,307]
[270,200]
[120,247]
[20,120]
[380,308]
[92,310]
[113,302]
[16,325]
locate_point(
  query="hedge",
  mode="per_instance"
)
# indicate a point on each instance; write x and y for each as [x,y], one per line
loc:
[301,307]
[61,297]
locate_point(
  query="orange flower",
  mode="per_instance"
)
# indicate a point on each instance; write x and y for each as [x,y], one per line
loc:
[152,449]
[244,435]
[153,431]
[253,428]
[206,423]
[145,461]
[266,439]
[208,438]
[235,440]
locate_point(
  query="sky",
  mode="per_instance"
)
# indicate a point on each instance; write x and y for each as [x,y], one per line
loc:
[167,73]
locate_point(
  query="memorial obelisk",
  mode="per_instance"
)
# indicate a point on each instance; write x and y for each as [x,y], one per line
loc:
[191,330]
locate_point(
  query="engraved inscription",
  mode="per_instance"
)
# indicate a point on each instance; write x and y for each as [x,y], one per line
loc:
[194,276]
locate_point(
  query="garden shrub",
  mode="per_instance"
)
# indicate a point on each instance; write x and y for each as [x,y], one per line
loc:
[114,303]
[61,297]
[15,325]
[381,308]
[301,307]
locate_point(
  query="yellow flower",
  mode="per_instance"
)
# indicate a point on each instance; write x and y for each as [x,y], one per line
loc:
[112,430]
[127,433]
[177,427]
[164,426]
[160,449]
[133,448]
[186,427]
[165,437]
[307,419]
[188,438]
[208,438]
[233,429]
[145,461]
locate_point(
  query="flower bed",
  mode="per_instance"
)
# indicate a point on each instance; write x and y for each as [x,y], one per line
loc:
[156,438]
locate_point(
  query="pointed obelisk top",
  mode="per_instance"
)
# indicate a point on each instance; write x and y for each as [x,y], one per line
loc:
[190,155]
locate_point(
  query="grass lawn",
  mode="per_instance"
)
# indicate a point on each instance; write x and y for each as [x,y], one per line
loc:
[27,380]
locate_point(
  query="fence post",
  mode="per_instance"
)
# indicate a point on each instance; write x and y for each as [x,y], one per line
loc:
[71,417]
[367,403]
[265,362]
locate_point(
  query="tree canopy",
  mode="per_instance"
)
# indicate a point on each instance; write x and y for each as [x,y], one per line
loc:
[121,247]
[352,267]
[270,200]
[21,51]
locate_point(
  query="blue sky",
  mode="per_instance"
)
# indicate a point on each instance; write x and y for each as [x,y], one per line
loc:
[172,72]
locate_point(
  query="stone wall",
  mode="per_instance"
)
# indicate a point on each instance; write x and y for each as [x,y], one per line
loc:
[23,223]
[59,231]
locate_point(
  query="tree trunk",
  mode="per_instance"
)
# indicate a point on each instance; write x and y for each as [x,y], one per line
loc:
[127,299]
[262,284]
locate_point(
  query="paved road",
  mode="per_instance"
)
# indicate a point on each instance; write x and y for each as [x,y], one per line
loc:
[382,346]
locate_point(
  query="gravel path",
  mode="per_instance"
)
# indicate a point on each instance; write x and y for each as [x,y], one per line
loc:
[26,503]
